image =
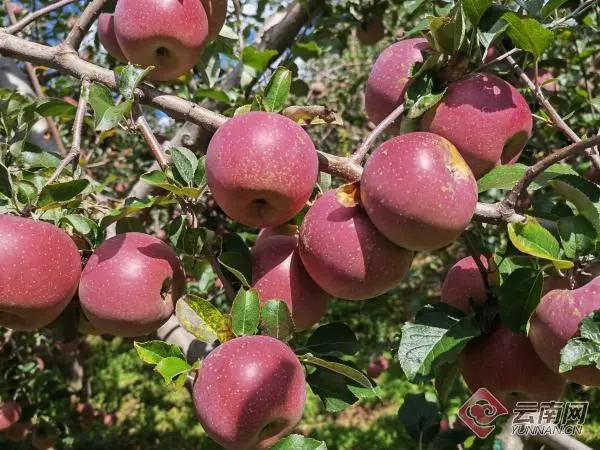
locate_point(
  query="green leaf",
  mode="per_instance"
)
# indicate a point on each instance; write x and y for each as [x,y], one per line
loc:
[185,163]
[506,177]
[130,78]
[61,192]
[153,352]
[113,115]
[53,107]
[577,235]
[533,239]
[299,442]
[100,99]
[159,179]
[333,338]
[131,207]
[200,173]
[245,313]
[447,34]
[584,194]
[84,226]
[531,6]
[172,367]
[36,158]
[202,319]
[438,333]
[5,182]
[236,258]
[519,296]
[278,90]
[27,193]
[528,34]
[276,320]
[334,389]
[444,381]
[420,417]
[492,26]
[339,367]
[256,59]
[424,103]
[585,349]
[475,9]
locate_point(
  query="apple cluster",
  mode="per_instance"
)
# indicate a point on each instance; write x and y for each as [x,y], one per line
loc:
[520,367]
[173,44]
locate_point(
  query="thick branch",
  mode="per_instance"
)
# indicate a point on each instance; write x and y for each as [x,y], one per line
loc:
[73,154]
[18,26]
[67,61]
[85,21]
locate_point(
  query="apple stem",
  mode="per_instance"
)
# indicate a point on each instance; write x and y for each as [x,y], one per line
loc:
[73,155]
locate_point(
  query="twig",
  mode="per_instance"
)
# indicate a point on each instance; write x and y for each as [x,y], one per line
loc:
[581,8]
[19,25]
[532,172]
[362,151]
[556,119]
[35,84]
[144,127]
[498,59]
[73,154]
[78,32]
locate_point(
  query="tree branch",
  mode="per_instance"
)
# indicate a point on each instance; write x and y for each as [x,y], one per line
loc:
[73,154]
[532,172]
[143,127]
[555,117]
[15,27]
[78,32]
[67,61]
[362,151]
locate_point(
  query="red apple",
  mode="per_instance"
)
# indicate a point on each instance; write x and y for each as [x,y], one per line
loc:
[388,80]
[463,283]
[486,118]
[10,413]
[250,392]
[438,195]
[344,253]
[506,364]
[261,168]
[108,37]
[130,285]
[167,34]
[556,320]
[278,273]
[377,366]
[39,272]
[18,432]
